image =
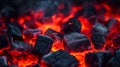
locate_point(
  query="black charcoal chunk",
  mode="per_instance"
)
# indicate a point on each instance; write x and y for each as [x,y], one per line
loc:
[116,41]
[43,45]
[111,24]
[13,65]
[60,58]
[115,60]
[98,27]
[53,34]
[3,61]
[34,65]
[98,40]
[3,41]
[76,42]
[31,33]
[97,59]
[87,11]
[14,32]
[20,45]
[72,25]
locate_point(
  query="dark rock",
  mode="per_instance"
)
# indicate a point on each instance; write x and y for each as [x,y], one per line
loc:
[98,27]
[116,41]
[43,45]
[72,25]
[115,60]
[3,41]
[60,58]
[3,61]
[98,40]
[53,34]
[97,59]
[20,45]
[76,42]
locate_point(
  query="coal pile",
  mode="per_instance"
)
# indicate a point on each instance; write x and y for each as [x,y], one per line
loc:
[59,33]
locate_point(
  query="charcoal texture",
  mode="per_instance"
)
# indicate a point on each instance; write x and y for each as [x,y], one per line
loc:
[60,58]
[53,34]
[43,45]
[72,25]
[98,40]
[97,59]
[115,60]
[98,27]
[76,42]
[116,41]
[3,41]
[20,45]
[3,61]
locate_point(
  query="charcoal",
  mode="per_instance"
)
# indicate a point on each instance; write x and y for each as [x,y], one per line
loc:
[116,41]
[43,45]
[3,61]
[72,25]
[98,40]
[98,27]
[31,33]
[60,58]
[3,41]
[76,42]
[87,11]
[13,65]
[34,65]
[111,24]
[53,34]
[8,12]
[115,60]
[14,32]
[97,59]
[20,45]
[52,7]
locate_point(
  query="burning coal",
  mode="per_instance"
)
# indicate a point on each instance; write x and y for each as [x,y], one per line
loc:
[59,33]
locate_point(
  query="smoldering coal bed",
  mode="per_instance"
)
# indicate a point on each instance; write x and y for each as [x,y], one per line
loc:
[59,33]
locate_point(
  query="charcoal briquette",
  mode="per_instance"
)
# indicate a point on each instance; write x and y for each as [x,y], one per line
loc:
[43,45]
[53,34]
[98,27]
[14,32]
[116,41]
[3,41]
[31,33]
[115,60]
[76,42]
[112,24]
[60,58]
[3,61]
[97,59]
[72,25]
[98,40]
[20,45]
